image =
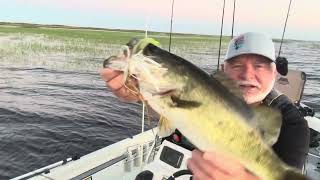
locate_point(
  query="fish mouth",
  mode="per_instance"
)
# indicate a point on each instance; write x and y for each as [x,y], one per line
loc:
[108,61]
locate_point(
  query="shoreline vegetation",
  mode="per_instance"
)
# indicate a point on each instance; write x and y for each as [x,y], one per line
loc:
[33,26]
[57,26]
[100,34]
[83,48]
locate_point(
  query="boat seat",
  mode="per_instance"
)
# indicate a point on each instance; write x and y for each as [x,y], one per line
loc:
[292,84]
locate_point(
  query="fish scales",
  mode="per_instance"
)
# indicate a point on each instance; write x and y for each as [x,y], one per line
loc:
[204,110]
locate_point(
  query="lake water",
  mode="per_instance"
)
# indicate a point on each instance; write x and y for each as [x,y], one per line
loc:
[48,113]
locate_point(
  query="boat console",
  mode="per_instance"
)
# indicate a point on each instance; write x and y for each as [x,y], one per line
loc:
[170,162]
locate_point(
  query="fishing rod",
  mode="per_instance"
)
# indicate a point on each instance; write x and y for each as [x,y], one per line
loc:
[224,3]
[282,62]
[284,28]
[171,25]
[234,9]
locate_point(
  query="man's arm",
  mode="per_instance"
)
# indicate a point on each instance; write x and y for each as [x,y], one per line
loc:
[293,143]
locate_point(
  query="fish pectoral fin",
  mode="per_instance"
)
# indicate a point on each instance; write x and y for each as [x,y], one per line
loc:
[269,122]
[165,127]
[227,82]
[187,104]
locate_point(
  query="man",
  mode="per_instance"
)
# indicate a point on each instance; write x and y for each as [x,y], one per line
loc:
[250,62]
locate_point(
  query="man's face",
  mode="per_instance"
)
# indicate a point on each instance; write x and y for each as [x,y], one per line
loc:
[254,74]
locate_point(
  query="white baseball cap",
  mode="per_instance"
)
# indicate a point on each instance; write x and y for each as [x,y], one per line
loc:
[251,43]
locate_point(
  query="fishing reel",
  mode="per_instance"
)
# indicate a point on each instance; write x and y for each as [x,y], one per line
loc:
[306,111]
[282,65]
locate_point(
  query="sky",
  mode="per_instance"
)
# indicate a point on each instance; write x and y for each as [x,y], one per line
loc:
[190,16]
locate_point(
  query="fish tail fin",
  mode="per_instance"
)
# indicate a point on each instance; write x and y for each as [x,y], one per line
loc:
[291,174]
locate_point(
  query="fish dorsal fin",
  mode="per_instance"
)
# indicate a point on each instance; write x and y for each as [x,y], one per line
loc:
[227,82]
[143,43]
[269,122]
[165,127]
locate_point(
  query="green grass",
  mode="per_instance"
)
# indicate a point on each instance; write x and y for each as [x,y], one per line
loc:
[73,37]
[106,36]
[29,44]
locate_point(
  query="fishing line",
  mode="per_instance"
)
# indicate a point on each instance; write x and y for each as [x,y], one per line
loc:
[284,29]
[136,92]
[146,27]
[170,34]
[129,85]
[142,119]
[224,3]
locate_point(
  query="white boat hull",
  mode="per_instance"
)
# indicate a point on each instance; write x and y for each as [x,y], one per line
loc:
[118,162]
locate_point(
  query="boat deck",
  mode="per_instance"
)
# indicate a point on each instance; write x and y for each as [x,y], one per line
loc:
[312,165]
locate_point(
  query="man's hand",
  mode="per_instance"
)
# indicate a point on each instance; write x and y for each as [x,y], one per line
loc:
[114,80]
[213,166]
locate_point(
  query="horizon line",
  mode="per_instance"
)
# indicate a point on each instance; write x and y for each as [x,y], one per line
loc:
[68,26]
